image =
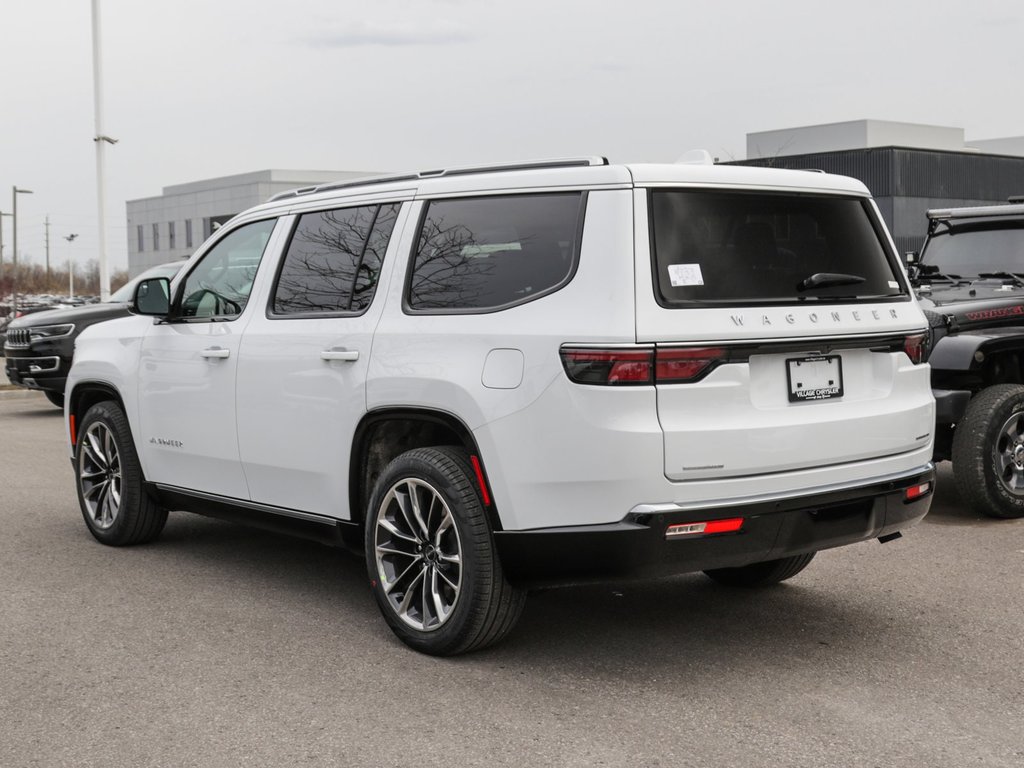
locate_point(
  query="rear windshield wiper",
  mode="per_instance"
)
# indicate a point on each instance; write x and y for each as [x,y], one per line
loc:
[827,280]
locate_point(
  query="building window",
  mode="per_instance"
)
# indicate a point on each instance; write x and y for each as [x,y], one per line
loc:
[156,237]
[188,233]
[141,238]
[170,235]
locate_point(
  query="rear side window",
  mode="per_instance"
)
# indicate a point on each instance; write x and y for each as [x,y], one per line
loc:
[744,247]
[488,253]
[333,261]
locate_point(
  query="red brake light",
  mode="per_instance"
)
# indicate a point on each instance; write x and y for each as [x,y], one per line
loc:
[686,364]
[915,347]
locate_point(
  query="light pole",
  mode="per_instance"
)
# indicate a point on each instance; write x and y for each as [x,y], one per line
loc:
[14,222]
[101,140]
[71,268]
[2,214]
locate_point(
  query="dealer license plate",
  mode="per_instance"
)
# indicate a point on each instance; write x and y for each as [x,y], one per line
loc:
[814,378]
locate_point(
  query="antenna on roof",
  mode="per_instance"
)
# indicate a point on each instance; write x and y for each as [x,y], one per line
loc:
[696,157]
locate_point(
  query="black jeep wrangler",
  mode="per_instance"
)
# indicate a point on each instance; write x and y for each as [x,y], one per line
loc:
[970,280]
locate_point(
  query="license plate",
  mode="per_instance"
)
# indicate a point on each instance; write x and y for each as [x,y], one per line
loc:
[814,378]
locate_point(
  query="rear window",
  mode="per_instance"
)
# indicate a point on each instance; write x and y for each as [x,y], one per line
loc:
[744,247]
[488,253]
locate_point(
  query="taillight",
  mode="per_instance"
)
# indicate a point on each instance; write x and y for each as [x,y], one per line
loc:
[687,364]
[609,366]
[916,346]
[617,367]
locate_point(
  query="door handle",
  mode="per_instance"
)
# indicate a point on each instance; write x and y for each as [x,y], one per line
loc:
[340,353]
[215,352]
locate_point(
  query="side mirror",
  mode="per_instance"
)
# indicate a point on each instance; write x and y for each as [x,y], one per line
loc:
[152,297]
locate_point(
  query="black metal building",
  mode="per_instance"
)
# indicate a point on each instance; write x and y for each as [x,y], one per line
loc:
[906,182]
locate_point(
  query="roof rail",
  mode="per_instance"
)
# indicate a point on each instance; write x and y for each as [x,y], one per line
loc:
[465,170]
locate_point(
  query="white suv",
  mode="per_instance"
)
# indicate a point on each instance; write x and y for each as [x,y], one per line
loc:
[489,378]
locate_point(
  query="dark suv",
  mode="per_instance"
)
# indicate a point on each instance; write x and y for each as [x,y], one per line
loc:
[970,280]
[39,346]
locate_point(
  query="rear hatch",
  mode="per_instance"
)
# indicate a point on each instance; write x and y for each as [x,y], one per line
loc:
[786,335]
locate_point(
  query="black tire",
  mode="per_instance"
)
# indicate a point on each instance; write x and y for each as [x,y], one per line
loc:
[111,494]
[761,574]
[988,452]
[470,605]
[57,398]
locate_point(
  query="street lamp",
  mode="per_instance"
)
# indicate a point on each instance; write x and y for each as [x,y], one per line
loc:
[71,268]
[2,214]
[14,221]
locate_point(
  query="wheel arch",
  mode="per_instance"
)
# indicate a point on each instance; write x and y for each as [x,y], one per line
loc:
[979,360]
[384,434]
[84,396]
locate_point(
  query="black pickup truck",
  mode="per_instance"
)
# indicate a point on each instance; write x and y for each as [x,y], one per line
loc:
[970,280]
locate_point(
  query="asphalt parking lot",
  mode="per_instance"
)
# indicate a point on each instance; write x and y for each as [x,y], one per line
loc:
[224,646]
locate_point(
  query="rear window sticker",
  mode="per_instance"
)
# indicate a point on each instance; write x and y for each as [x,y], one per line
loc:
[685,274]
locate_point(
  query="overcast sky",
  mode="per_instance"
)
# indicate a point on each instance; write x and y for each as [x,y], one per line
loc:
[195,89]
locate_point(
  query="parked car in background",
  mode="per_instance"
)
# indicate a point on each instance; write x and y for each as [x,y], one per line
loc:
[39,345]
[970,281]
[21,312]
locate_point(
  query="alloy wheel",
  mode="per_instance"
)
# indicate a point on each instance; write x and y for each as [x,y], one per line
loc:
[99,475]
[419,554]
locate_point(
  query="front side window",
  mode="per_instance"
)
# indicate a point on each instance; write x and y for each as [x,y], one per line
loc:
[761,247]
[487,253]
[333,260]
[219,285]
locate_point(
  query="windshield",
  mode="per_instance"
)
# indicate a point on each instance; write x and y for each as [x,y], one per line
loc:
[125,293]
[767,247]
[970,252]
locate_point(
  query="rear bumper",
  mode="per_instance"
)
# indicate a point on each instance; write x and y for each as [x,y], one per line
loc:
[637,545]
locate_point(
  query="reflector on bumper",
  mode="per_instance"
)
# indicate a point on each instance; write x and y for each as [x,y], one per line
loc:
[704,529]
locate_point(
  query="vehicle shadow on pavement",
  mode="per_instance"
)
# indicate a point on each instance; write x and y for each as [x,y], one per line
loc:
[44,411]
[679,627]
[688,629]
[948,508]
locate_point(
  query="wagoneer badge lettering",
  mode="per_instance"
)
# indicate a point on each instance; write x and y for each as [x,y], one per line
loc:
[815,317]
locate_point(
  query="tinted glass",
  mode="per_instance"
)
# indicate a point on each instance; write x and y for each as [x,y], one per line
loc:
[220,284]
[333,260]
[490,252]
[758,247]
[964,251]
